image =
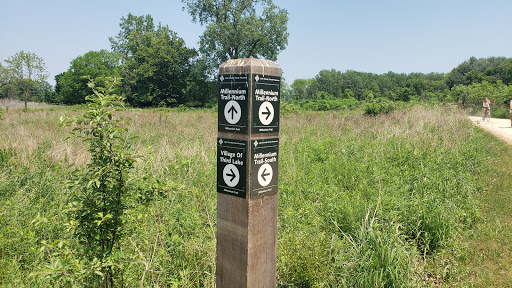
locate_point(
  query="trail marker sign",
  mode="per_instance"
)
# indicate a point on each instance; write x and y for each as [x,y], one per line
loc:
[231,167]
[233,103]
[264,166]
[266,100]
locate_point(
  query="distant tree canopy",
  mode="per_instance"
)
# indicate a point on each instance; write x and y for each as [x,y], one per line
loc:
[71,86]
[476,70]
[156,62]
[4,80]
[158,69]
[24,73]
[332,84]
[156,66]
[467,84]
[239,29]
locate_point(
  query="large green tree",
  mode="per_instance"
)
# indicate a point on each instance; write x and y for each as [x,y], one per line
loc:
[477,70]
[26,71]
[505,71]
[156,64]
[301,88]
[239,29]
[331,82]
[71,86]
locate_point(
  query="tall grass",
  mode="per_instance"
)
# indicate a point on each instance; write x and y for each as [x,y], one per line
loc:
[490,248]
[17,104]
[364,201]
[416,171]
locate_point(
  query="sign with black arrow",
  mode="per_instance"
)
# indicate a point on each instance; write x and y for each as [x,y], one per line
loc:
[231,167]
[233,103]
[264,166]
[232,112]
[265,103]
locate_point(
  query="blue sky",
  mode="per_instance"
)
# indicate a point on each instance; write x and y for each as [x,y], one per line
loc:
[366,35]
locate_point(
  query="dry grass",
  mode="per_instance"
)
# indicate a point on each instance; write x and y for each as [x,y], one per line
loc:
[165,134]
[17,104]
[193,133]
[411,125]
[175,137]
[37,131]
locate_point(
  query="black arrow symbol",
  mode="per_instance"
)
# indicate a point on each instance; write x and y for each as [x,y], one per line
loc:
[263,174]
[232,110]
[232,175]
[266,113]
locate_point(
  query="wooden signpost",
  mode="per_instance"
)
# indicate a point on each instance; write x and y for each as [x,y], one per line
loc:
[247,172]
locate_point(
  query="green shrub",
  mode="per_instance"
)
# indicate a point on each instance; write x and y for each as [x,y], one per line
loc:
[500,112]
[380,106]
[97,203]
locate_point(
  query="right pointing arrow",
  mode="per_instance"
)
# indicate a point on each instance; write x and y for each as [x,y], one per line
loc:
[268,113]
[232,175]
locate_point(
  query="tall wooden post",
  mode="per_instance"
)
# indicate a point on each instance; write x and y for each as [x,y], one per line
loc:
[247,173]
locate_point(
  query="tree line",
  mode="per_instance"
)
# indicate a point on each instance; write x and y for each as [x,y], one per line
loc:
[156,66]
[158,69]
[466,84]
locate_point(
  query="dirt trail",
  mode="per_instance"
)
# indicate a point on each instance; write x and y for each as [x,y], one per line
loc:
[499,127]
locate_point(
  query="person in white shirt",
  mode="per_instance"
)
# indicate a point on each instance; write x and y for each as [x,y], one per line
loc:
[487,106]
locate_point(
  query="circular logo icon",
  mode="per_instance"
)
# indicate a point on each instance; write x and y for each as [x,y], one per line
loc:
[232,112]
[266,113]
[231,175]
[265,174]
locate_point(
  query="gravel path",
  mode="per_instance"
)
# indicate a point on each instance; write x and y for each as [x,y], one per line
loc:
[499,127]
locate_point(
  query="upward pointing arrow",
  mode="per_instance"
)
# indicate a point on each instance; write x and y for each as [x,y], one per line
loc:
[268,113]
[233,111]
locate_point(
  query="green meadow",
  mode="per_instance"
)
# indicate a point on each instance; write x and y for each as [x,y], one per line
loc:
[395,200]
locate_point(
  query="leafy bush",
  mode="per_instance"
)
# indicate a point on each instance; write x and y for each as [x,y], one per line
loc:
[380,106]
[500,112]
[97,203]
